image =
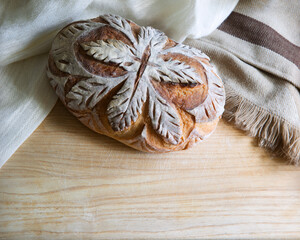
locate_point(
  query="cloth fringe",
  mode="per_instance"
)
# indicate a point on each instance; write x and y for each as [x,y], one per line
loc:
[272,131]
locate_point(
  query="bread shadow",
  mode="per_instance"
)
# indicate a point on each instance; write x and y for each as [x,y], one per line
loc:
[66,122]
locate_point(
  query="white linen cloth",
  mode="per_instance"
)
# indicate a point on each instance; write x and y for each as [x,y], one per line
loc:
[27,29]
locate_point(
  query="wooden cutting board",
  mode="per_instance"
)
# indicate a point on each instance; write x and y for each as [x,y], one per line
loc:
[66,182]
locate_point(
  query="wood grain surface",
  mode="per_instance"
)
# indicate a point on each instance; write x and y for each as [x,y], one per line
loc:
[67,182]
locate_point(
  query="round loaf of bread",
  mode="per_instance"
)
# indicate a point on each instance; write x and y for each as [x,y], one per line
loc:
[134,84]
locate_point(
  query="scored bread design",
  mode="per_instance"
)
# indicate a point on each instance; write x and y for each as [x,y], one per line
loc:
[135,84]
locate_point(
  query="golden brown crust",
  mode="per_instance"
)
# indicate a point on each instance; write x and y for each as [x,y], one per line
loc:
[166,116]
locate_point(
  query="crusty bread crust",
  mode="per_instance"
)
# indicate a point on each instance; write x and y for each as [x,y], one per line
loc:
[164,112]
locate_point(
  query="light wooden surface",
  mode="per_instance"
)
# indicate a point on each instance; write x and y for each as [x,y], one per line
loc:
[66,182]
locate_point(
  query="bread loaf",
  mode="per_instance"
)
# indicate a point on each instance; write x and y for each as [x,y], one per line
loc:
[134,84]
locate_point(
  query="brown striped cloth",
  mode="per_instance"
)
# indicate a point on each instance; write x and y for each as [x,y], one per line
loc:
[256,52]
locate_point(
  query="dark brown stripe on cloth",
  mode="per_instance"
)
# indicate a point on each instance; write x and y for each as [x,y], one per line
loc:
[253,31]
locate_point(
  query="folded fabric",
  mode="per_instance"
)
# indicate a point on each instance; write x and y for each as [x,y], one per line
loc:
[256,51]
[23,104]
[28,28]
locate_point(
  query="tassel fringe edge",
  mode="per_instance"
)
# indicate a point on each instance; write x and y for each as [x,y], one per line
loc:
[271,131]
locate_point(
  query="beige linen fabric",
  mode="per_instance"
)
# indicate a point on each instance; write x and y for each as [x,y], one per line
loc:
[256,51]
